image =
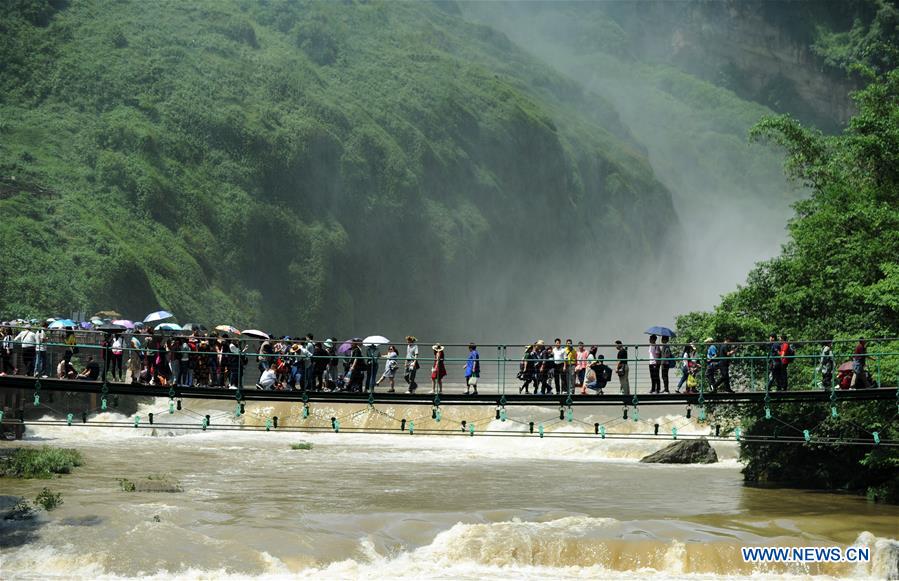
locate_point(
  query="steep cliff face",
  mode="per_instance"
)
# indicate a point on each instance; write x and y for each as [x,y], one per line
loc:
[342,168]
[763,51]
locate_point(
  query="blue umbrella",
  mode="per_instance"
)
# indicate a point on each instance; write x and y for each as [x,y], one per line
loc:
[168,327]
[158,316]
[62,323]
[661,331]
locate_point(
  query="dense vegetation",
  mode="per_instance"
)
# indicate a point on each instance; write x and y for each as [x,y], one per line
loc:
[837,277]
[340,167]
[41,462]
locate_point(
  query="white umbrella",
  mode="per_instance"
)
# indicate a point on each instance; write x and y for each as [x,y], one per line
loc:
[376,340]
[227,329]
[168,327]
[158,316]
[255,333]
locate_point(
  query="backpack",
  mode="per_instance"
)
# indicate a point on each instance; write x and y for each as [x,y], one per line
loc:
[670,362]
[606,373]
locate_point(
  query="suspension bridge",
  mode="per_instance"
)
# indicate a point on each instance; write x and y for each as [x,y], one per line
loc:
[70,402]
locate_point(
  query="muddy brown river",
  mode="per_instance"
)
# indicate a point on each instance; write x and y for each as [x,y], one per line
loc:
[396,505]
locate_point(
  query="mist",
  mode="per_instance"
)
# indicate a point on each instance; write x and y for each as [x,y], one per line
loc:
[731,199]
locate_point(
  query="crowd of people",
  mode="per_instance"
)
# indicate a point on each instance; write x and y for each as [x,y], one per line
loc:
[307,363]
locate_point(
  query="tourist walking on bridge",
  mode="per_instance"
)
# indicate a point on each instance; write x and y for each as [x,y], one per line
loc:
[411,363]
[472,369]
[26,339]
[438,370]
[528,371]
[667,363]
[390,366]
[558,364]
[858,364]
[40,352]
[826,365]
[711,362]
[687,357]
[373,353]
[655,354]
[580,369]
[356,371]
[544,363]
[621,369]
[725,352]
[785,353]
[570,363]
[773,360]
[6,351]
[116,354]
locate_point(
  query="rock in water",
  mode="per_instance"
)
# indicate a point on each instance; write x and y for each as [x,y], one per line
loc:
[684,452]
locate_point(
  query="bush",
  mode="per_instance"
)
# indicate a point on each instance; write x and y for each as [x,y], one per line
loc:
[41,462]
[48,499]
[301,446]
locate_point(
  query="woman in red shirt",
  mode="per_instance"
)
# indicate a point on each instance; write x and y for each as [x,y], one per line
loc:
[438,371]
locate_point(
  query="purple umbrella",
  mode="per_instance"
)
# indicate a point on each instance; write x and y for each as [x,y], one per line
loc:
[345,347]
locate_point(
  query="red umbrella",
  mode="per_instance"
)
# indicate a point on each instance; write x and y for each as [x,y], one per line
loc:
[846,366]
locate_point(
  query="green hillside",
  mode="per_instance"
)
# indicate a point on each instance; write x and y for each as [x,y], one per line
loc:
[329,166]
[837,278]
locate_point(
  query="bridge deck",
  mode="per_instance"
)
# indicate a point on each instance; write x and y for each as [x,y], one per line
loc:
[424,397]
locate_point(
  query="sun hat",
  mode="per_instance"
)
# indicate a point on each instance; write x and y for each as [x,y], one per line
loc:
[437,347]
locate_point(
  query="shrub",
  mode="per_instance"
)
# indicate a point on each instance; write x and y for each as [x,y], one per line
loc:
[48,499]
[41,462]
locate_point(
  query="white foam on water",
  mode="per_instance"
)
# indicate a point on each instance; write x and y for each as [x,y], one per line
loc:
[574,547]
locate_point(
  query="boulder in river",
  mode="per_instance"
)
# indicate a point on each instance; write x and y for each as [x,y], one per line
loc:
[684,452]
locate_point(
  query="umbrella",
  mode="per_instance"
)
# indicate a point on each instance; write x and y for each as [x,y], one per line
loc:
[345,347]
[96,321]
[124,322]
[112,328]
[168,327]
[193,327]
[62,323]
[255,333]
[85,325]
[846,366]
[375,340]
[227,329]
[158,316]
[661,331]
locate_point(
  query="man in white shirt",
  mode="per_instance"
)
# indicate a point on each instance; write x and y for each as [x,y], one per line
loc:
[27,340]
[558,363]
